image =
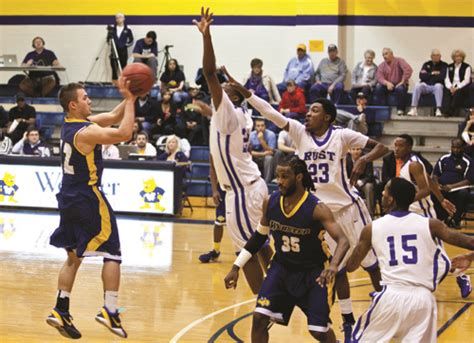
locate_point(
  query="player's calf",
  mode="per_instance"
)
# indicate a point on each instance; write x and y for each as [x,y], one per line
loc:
[327,337]
[260,326]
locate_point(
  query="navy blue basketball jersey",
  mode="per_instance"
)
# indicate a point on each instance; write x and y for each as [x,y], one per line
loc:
[299,240]
[79,168]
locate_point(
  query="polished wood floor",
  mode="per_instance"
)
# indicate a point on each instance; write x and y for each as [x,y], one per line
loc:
[167,295]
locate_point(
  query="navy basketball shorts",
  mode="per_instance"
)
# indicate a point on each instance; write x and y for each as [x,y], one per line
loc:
[87,224]
[220,209]
[284,289]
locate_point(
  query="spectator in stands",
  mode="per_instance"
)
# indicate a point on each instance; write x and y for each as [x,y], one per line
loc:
[432,77]
[286,147]
[39,83]
[146,111]
[363,76]
[3,119]
[166,119]
[137,128]
[262,147]
[366,182]
[261,84]
[355,118]
[173,150]
[110,152]
[329,77]
[457,82]
[31,144]
[123,38]
[192,124]
[173,79]
[392,77]
[300,69]
[201,80]
[5,144]
[143,146]
[452,171]
[293,102]
[146,51]
[20,117]
[467,129]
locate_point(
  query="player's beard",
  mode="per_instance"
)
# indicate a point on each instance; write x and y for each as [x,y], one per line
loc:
[290,190]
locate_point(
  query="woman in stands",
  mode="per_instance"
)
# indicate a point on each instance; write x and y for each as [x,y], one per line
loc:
[173,151]
[458,79]
[173,79]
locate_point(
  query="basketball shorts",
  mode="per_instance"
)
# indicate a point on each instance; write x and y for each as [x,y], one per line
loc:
[403,313]
[220,209]
[283,289]
[244,211]
[353,219]
[87,224]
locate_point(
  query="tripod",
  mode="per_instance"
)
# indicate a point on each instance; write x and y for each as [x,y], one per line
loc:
[165,59]
[109,43]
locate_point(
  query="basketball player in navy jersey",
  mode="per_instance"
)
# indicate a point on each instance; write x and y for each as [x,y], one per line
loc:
[302,271]
[87,222]
[413,264]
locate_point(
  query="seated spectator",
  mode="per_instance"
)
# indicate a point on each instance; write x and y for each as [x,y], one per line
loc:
[201,80]
[173,150]
[286,147]
[453,171]
[262,146]
[366,182]
[300,69]
[457,82]
[363,76]
[293,102]
[392,77]
[110,152]
[146,111]
[261,84]
[31,144]
[3,119]
[432,77]
[329,77]
[467,129]
[166,118]
[123,38]
[357,119]
[39,83]
[173,79]
[5,144]
[20,117]
[143,146]
[193,123]
[146,51]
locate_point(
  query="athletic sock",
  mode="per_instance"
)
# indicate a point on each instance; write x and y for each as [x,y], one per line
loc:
[62,301]
[217,246]
[346,311]
[110,301]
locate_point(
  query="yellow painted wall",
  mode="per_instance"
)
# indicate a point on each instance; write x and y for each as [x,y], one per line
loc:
[241,7]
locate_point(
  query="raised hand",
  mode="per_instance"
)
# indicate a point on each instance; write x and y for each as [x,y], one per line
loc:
[205,22]
[124,88]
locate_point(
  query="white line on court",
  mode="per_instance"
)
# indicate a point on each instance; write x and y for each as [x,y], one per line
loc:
[184,330]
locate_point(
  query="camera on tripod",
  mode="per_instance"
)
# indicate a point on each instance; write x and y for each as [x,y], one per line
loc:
[167,47]
[110,32]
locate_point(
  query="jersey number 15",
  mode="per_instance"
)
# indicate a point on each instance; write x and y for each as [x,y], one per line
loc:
[411,256]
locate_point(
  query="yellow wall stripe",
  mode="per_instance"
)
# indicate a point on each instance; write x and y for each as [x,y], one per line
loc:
[242,7]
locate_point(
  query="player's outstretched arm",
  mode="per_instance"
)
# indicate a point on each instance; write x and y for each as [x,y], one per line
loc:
[115,116]
[209,58]
[361,250]
[263,107]
[377,150]
[324,215]
[453,237]
[418,173]
[253,245]
[462,262]
[435,189]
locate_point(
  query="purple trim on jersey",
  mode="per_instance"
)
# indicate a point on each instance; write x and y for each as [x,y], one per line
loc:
[240,185]
[435,268]
[446,269]
[325,139]
[369,313]
[344,183]
[429,209]
[423,208]
[236,201]
[399,214]
[372,267]
[361,214]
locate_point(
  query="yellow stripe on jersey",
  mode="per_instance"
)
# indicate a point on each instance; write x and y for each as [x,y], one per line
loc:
[92,168]
[105,225]
[75,120]
[296,208]
[324,244]
[330,287]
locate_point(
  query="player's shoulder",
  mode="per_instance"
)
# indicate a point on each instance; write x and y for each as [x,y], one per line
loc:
[274,199]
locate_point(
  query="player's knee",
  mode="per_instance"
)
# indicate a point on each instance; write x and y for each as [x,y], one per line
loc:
[320,336]
[260,322]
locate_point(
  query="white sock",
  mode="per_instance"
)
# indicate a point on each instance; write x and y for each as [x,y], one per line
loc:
[64,294]
[346,306]
[111,298]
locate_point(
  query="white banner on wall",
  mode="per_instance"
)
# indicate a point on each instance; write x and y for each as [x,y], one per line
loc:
[128,190]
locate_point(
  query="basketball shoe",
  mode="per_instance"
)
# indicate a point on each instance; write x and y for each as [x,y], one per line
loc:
[111,321]
[62,321]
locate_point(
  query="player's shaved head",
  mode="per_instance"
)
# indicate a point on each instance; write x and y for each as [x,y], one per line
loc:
[402,191]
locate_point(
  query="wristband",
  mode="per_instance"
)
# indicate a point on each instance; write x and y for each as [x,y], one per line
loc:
[243,258]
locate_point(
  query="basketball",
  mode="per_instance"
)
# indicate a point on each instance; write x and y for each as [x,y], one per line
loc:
[140,76]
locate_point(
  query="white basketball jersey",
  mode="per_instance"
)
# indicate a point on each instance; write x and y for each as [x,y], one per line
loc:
[424,206]
[406,251]
[228,141]
[326,160]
